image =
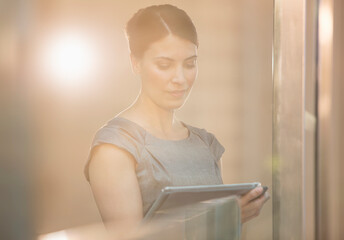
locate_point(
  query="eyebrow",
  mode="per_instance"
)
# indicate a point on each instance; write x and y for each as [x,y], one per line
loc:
[171,59]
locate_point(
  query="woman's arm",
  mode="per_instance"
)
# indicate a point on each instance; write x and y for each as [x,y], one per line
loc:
[115,188]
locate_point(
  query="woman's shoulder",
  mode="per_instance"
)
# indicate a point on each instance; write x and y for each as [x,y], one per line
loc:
[202,133]
[119,133]
[210,140]
[120,128]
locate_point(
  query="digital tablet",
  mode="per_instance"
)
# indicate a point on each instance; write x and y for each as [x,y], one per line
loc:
[171,197]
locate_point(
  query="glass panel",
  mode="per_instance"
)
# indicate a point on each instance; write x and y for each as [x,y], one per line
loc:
[205,220]
[294,112]
[288,120]
[75,74]
[201,221]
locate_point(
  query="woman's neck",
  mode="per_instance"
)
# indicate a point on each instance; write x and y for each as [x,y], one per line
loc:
[151,116]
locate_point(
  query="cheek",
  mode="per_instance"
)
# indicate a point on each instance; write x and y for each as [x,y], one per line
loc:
[155,77]
[161,77]
[191,75]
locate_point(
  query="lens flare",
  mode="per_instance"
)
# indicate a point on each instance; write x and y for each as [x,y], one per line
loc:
[70,58]
[61,235]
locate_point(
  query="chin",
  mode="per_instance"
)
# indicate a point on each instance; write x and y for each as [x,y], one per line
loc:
[175,105]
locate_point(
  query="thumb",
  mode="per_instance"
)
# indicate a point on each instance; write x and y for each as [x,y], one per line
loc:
[254,193]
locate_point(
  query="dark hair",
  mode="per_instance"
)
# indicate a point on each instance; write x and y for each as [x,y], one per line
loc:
[155,22]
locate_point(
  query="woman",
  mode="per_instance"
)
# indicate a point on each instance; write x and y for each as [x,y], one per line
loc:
[145,147]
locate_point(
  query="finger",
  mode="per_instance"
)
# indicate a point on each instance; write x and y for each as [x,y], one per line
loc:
[262,199]
[255,205]
[253,208]
[267,196]
[254,193]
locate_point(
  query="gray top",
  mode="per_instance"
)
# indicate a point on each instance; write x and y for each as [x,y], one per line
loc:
[161,162]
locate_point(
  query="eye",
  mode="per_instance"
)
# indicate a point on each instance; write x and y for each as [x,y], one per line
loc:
[190,64]
[163,65]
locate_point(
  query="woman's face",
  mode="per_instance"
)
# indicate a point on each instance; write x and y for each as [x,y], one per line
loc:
[168,69]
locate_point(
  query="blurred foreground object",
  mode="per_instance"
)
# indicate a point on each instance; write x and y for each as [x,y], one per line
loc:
[213,219]
[15,143]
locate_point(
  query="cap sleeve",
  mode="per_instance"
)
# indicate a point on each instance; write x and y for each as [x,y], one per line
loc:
[215,146]
[211,141]
[123,136]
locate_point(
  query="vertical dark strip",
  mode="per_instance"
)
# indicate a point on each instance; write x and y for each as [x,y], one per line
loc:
[275,183]
[316,111]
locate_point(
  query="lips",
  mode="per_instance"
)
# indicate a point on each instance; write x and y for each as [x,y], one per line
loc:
[178,93]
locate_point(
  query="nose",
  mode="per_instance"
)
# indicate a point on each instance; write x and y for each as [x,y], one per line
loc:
[179,76]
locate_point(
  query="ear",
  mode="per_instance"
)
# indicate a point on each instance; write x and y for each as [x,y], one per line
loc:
[135,64]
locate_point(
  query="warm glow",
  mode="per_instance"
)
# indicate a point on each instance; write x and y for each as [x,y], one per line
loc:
[61,235]
[69,58]
[325,23]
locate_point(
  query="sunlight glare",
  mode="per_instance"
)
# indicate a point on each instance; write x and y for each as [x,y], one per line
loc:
[70,58]
[61,235]
[325,24]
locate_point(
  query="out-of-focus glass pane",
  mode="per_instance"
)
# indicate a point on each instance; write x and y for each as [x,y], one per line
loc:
[213,219]
[67,100]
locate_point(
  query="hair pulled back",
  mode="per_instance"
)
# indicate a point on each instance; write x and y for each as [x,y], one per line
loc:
[155,22]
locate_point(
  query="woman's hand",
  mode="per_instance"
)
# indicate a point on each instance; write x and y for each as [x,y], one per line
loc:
[251,203]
